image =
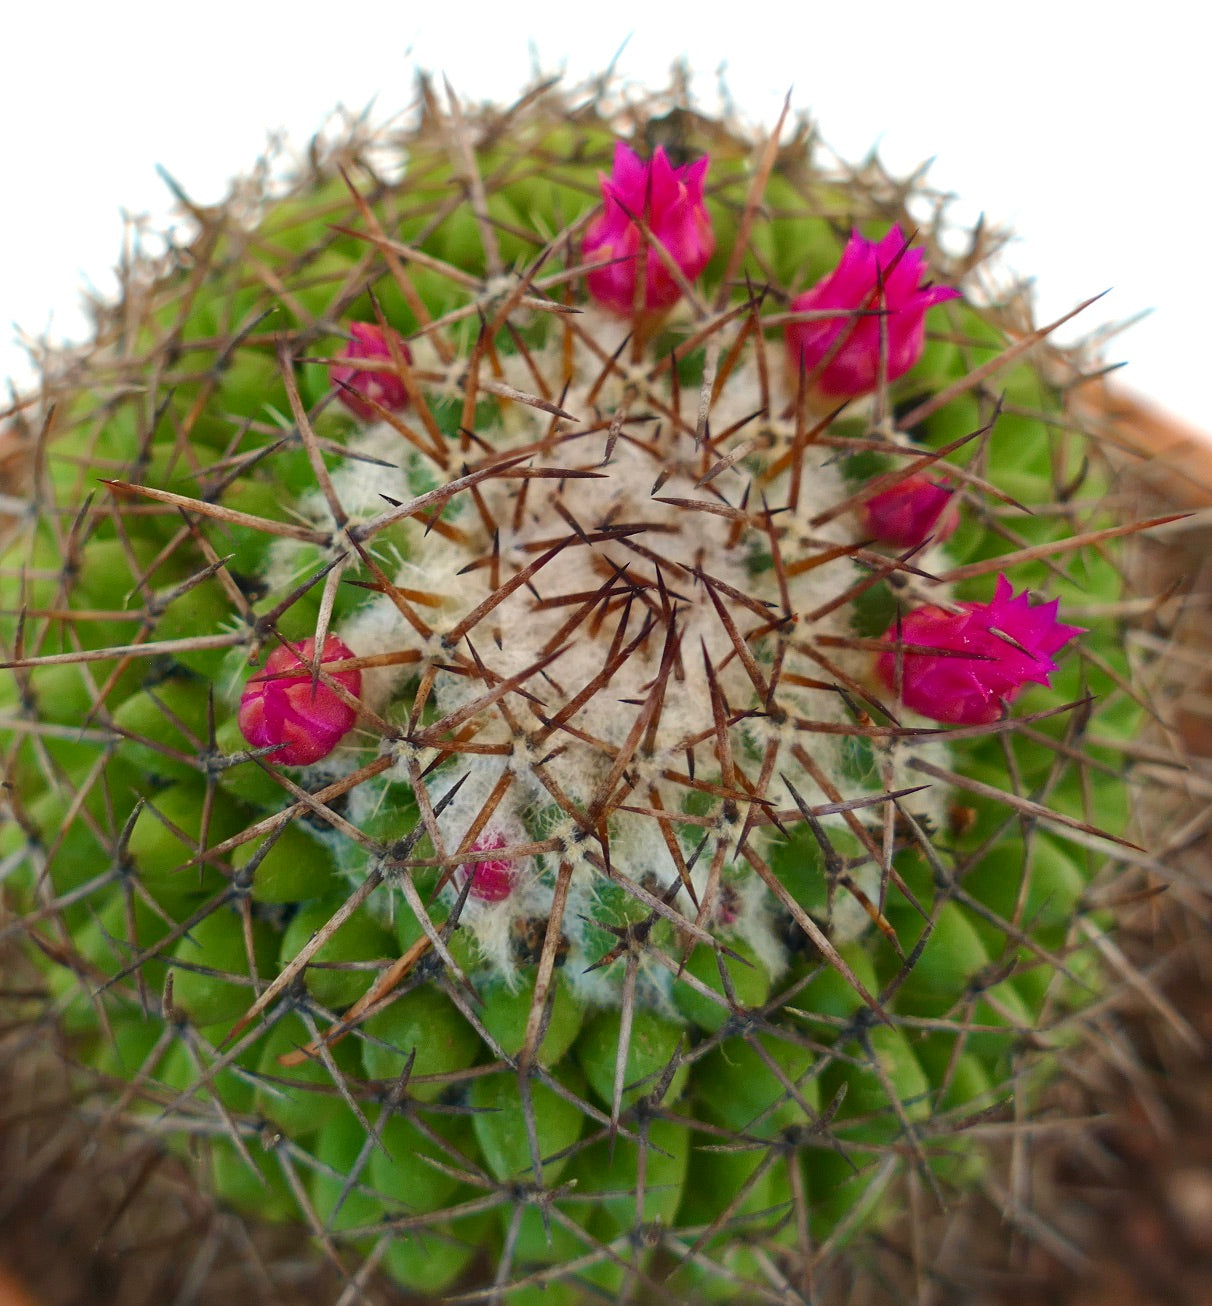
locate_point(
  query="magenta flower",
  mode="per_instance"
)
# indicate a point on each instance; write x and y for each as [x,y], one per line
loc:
[383,385]
[985,655]
[669,200]
[493,878]
[278,708]
[911,512]
[840,355]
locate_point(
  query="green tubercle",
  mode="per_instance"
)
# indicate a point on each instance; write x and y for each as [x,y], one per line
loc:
[636,939]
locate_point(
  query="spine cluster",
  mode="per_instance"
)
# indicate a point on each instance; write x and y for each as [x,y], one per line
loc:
[533,723]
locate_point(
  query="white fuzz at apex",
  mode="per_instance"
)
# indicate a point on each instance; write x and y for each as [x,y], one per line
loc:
[662,604]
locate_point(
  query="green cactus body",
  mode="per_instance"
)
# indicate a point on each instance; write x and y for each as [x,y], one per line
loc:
[758,943]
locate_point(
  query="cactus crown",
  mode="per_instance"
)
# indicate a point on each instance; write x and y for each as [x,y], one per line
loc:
[636,913]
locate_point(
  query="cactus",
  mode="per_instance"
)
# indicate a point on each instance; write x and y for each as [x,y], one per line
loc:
[689,825]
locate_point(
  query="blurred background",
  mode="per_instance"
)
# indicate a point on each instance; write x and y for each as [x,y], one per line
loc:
[1079,125]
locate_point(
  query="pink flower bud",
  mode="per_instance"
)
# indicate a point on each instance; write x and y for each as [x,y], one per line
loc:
[986,654]
[669,201]
[278,708]
[911,512]
[384,386]
[493,878]
[852,368]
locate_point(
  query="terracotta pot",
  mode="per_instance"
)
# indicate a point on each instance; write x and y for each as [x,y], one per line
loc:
[1158,450]
[13,1293]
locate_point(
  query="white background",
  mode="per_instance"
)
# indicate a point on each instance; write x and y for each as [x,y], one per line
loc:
[1084,126]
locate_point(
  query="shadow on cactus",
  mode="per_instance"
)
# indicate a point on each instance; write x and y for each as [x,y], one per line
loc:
[529,748]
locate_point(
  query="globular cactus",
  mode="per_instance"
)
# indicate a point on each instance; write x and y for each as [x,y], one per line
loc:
[539,741]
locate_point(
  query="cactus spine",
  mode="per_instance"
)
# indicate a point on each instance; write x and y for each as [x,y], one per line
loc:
[631,935]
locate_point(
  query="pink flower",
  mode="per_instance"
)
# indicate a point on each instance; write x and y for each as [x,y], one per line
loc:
[669,201]
[278,708]
[385,387]
[853,364]
[491,879]
[986,654]
[911,512]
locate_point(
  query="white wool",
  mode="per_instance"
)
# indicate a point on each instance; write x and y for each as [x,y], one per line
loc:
[755,923]
[692,550]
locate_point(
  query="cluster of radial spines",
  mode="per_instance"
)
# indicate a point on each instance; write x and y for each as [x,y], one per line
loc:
[452,738]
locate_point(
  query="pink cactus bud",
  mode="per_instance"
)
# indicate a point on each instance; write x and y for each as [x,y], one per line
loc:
[986,655]
[851,344]
[493,878]
[383,383]
[669,201]
[911,512]
[278,708]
